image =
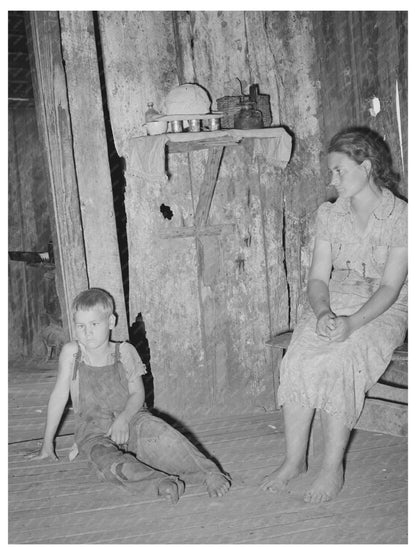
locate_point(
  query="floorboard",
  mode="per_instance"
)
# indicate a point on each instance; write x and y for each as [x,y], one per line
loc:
[64,503]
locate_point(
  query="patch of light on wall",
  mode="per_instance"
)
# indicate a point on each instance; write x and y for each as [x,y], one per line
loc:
[374,106]
[399,122]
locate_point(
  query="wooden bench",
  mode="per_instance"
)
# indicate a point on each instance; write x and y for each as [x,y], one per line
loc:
[386,403]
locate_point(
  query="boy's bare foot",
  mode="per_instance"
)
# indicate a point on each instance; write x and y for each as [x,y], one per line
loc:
[278,480]
[217,485]
[171,489]
[326,486]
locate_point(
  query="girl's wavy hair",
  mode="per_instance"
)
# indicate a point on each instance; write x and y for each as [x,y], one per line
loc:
[92,298]
[362,143]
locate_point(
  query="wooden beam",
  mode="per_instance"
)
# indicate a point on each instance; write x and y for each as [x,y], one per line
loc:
[54,123]
[280,341]
[91,159]
[192,231]
[208,185]
[202,143]
[383,417]
[388,393]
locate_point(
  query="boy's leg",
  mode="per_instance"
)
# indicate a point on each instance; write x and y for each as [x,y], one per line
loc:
[159,445]
[123,469]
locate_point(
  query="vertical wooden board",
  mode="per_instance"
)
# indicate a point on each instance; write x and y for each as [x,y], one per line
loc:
[18,325]
[235,307]
[29,230]
[262,59]
[164,288]
[91,159]
[403,80]
[218,52]
[361,55]
[140,66]
[331,33]
[56,138]
[34,221]
[292,43]
[385,38]
[272,207]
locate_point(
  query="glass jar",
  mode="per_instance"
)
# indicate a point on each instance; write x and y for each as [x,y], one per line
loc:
[150,114]
[248,117]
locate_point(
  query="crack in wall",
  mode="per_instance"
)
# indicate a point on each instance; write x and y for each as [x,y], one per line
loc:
[284,262]
[116,164]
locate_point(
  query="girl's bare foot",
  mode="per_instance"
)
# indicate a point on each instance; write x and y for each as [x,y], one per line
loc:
[217,485]
[171,489]
[326,486]
[278,480]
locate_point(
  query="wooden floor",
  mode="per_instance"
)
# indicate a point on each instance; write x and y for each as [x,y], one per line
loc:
[63,502]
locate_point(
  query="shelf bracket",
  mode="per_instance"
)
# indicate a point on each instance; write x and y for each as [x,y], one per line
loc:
[206,193]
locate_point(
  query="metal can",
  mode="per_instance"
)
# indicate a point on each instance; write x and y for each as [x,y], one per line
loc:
[212,124]
[176,126]
[194,125]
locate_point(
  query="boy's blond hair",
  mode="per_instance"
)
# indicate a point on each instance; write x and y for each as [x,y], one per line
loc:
[92,298]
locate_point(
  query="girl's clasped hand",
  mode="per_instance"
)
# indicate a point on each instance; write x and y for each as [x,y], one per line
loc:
[331,327]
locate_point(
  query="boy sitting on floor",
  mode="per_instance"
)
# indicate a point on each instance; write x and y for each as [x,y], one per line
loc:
[106,386]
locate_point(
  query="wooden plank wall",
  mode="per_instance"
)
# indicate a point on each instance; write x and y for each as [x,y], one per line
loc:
[91,160]
[145,54]
[32,293]
[362,55]
[54,124]
[230,308]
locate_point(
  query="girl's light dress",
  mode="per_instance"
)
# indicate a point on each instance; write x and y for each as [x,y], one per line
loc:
[334,376]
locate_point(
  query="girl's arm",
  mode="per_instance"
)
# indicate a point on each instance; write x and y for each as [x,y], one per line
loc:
[318,292]
[394,276]
[58,400]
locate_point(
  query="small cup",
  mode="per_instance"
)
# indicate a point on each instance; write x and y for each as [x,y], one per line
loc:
[156,127]
[176,126]
[194,125]
[212,124]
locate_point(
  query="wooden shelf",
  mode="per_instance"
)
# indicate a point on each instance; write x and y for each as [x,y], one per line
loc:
[215,142]
[186,142]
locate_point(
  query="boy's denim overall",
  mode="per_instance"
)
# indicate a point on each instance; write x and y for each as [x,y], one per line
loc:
[160,450]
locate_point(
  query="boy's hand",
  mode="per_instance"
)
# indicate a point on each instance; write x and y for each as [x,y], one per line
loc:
[119,430]
[46,452]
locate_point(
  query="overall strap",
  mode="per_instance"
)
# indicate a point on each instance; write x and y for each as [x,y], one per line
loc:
[120,366]
[77,362]
[74,384]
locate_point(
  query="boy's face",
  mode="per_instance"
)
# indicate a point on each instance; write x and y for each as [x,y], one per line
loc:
[93,327]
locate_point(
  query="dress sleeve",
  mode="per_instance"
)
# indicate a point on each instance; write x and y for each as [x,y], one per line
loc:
[399,233]
[322,222]
[133,366]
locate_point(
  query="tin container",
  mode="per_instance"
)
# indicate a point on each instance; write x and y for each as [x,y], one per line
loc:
[194,125]
[212,124]
[176,126]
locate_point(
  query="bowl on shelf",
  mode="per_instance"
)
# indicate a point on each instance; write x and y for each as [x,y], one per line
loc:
[156,127]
